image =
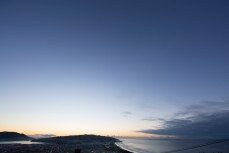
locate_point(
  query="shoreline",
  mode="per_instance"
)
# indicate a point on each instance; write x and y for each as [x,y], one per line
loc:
[125,149]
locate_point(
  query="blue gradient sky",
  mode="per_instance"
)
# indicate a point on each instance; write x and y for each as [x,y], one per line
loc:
[73,67]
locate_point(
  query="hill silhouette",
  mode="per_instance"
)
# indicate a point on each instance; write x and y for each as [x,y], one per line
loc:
[77,139]
[13,136]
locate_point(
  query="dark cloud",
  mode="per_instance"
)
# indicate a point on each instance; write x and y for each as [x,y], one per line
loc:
[207,119]
[205,107]
[127,113]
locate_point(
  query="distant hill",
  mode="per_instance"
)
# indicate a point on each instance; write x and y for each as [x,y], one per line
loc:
[77,139]
[13,136]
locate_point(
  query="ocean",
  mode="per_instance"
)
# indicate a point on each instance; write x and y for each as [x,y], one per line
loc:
[149,145]
[20,142]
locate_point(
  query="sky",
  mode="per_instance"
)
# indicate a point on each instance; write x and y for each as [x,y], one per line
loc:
[123,67]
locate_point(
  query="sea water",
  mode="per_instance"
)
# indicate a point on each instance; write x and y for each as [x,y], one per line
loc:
[19,142]
[149,145]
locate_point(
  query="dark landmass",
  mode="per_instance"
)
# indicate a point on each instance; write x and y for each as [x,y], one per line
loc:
[67,144]
[60,148]
[80,139]
[13,136]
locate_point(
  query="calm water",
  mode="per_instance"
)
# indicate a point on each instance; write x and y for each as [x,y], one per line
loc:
[144,145]
[19,142]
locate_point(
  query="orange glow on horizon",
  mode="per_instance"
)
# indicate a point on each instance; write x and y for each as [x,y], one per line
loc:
[122,134]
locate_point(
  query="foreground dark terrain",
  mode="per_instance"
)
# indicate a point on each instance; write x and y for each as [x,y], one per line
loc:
[60,148]
[66,144]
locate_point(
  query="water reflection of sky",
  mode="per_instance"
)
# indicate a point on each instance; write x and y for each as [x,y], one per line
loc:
[20,142]
[160,146]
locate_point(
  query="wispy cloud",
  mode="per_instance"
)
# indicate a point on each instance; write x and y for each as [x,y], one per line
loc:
[126,114]
[42,136]
[153,119]
[208,119]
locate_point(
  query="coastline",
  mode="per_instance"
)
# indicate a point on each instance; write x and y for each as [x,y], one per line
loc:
[118,149]
[125,149]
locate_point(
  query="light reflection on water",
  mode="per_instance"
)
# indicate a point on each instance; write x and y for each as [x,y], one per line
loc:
[20,142]
[146,145]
